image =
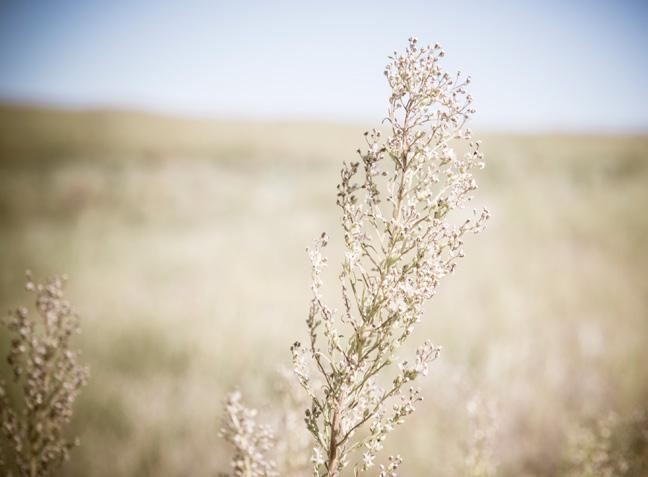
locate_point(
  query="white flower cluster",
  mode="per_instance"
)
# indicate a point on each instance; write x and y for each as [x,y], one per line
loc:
[401,216]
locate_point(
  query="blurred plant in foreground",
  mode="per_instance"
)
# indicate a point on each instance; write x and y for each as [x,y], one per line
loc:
[256,450]
[252,442]
[47,378]
[403,235]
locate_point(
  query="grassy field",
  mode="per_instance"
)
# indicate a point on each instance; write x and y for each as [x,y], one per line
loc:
[184,241]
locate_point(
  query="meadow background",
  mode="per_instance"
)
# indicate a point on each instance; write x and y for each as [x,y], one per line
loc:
[184,242]
[175,159]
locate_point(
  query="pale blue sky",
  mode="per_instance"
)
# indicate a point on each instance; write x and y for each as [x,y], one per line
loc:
[548,65]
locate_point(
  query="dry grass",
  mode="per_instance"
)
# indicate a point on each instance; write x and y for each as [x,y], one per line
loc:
[184,241]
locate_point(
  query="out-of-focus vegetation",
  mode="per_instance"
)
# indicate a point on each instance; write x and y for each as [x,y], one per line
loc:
[184,241]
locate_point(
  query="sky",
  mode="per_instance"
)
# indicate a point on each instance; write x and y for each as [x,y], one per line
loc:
[536,65]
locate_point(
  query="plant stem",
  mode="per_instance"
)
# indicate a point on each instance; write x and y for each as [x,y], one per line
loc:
[334,451]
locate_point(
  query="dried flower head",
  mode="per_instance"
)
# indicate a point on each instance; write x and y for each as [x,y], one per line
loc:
[403,231]
[48,378]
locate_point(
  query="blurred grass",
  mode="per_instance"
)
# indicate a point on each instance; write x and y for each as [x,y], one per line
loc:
[184,240]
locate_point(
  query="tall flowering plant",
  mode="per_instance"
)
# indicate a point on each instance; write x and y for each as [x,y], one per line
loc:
[403,224]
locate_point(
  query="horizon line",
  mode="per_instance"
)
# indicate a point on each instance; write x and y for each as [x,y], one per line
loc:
[240,117]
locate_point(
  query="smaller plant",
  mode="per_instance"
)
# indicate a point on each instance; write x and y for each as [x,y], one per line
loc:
[252,442]
[256,451]
[47,379]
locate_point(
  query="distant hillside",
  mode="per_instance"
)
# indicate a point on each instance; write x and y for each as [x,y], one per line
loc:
[29,132]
